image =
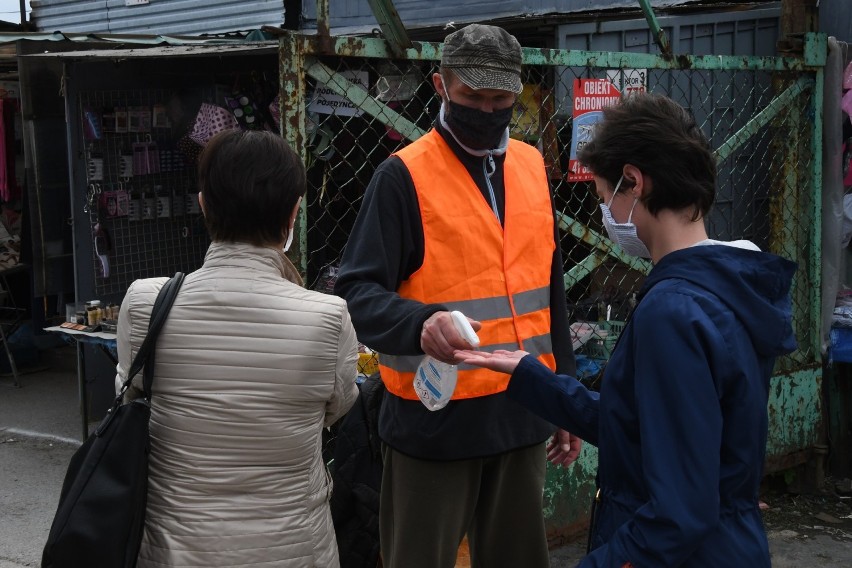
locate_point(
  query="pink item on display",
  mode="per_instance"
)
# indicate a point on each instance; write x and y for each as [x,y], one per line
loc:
[146,158]
[847,157]
[10,190]
[114,202]
[209,121]
[846,103]
[275,111]
[847,77]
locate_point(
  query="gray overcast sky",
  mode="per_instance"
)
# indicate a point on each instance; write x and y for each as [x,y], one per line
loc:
[10,10]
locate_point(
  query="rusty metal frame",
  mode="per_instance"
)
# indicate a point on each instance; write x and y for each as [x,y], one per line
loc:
[795,391]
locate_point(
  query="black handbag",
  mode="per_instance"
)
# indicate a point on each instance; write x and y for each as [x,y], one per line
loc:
[101,514]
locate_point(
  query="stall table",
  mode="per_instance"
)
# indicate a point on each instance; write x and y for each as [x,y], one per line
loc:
[106,342]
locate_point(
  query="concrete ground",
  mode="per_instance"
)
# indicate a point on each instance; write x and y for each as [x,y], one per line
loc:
[40,429]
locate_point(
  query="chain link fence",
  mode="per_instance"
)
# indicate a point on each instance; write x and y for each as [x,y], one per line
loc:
[764,191]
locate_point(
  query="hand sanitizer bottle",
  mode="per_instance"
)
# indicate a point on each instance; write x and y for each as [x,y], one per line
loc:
[435,381]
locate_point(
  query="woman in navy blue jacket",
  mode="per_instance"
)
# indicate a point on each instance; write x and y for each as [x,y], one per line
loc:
[681,418]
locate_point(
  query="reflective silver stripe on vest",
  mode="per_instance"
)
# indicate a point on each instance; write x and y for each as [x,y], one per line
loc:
[538,345]
[498,306]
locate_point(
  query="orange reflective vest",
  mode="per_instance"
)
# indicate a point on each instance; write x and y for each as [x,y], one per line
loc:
[498,275]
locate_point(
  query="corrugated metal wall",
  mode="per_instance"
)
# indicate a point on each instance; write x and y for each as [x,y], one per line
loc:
[835,19]
[349,16]
[161,17]
[750,32]
[192,17]
[354,15]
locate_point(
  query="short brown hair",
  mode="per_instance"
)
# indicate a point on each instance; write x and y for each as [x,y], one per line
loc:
[250,182]
[662,139]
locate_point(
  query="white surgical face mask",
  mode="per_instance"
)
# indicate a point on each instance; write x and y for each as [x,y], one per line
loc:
[292,226]
[623,234]
[289,239]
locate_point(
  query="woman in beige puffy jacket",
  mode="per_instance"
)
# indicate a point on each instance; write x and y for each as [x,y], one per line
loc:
[250,367]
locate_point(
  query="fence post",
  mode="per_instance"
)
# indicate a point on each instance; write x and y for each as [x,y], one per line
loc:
[815,53]
[292,100]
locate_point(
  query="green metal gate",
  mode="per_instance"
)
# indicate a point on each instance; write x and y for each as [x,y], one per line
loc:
[763,116]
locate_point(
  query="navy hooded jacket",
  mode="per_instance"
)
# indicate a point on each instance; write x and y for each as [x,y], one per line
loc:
[681,418]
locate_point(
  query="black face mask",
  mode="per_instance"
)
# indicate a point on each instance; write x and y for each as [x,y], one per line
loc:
[476,129]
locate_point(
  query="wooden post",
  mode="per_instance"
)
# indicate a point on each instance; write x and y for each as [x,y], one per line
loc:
[797,17]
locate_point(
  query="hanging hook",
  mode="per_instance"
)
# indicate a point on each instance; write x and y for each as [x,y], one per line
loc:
[90,197]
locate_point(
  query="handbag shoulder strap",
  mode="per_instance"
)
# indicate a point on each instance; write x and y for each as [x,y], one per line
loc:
[145,355]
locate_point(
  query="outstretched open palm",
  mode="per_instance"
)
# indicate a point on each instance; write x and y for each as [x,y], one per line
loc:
[500,361]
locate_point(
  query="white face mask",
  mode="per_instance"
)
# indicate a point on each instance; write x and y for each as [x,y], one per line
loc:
[623,234]
[289,239]
[292,226]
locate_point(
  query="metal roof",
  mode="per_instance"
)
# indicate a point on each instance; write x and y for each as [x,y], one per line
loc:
[164,51]
[125,46]
[235,37]
[172,17]
[355,17]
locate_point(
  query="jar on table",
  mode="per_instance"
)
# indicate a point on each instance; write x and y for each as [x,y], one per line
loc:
[93,312]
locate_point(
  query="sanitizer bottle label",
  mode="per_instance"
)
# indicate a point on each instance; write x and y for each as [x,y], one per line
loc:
[435,381]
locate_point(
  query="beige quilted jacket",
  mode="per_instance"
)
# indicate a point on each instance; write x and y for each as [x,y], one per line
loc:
[250,366]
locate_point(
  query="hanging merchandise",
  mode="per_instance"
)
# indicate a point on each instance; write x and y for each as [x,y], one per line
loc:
[178,201]
[146,158]
[92,124]
[103,246]
[93,195]
[160,116]
[189,150]
[164,202]
[846,227]
[211,120]
[138,119]
[192,205]
[275,111]
[846,103]
[10,190]
[847,77]
[114,203]
[101,241]
[149,207]
[171,159]
[120,120]
[244,110]
[135,197]
[125,164]
[122,201]
[94,165]
[249,100]
[108,120]
[134,207]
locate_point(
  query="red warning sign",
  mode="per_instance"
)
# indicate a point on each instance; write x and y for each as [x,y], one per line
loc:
[591,96]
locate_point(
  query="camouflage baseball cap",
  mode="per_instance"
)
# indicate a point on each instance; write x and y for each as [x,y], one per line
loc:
[484,57]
